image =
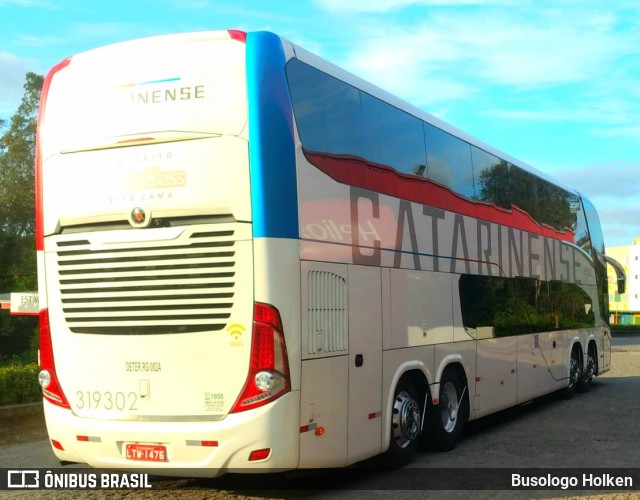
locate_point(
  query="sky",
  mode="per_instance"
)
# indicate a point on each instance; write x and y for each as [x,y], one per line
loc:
[554,83]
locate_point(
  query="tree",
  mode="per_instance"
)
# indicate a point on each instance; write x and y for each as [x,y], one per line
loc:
[17,245]
[17,154]
[505,185]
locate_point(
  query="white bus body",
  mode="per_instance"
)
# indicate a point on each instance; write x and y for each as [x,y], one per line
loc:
[216,297]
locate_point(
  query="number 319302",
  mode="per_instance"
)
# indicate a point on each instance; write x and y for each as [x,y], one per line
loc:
[106,400]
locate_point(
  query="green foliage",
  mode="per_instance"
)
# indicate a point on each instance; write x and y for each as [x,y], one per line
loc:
[17,222]
[18,337]
[17,156]
[19,384]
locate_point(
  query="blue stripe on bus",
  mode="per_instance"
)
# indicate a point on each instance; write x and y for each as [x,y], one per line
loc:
[274,201]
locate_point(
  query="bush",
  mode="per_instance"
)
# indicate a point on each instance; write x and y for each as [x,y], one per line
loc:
[625,329]
[19,384]
[17,336]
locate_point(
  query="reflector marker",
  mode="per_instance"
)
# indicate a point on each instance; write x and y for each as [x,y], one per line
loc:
[89,439]
[375,414]
[259,454]
[310,427]
[195,442]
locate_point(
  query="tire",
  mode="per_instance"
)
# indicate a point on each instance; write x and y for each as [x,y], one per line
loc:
[448,417]
[575,372]
[406,422]
[590,369]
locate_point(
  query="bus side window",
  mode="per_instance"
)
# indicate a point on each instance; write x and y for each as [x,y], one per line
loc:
[449,161]
[327,111]
[393,138]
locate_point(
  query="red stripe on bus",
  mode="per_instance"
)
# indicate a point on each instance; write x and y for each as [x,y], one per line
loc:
[39,230]
[358,172]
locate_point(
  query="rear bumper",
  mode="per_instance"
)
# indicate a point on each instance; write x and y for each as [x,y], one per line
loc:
[193,449]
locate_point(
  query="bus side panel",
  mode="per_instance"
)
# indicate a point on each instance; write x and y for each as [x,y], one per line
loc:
[422,308]
[555,358]
[496,376]
[531,367]
[324,352]
[542,364]
[323,415]
[365,362]
[342,333]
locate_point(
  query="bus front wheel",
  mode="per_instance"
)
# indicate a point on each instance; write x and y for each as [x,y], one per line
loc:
[406,421]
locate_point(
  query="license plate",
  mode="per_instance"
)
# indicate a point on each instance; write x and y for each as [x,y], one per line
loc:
[146,452]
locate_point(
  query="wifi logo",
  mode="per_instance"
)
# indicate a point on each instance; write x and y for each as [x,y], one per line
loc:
[236,330]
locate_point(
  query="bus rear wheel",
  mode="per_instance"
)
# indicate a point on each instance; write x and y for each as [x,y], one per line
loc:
[575,372]
[450,414]
[590,369]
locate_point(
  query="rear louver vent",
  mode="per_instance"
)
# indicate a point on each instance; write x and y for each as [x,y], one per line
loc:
[183,286]
[327,313]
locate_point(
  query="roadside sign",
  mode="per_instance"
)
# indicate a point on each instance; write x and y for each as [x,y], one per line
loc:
[24,304]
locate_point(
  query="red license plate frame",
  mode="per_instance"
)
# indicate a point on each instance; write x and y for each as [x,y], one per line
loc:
[145,452]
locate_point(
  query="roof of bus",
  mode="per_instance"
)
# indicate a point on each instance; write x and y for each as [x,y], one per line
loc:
[293,50]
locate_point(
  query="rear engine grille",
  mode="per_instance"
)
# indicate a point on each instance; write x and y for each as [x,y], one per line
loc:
[185,285]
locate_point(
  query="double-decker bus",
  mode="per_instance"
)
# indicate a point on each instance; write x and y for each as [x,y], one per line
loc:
[252,260]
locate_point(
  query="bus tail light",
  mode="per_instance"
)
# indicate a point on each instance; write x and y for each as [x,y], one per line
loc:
[268,376]
[47,377]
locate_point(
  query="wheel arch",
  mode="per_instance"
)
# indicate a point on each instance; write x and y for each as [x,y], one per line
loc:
[447,420]
[451,362]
